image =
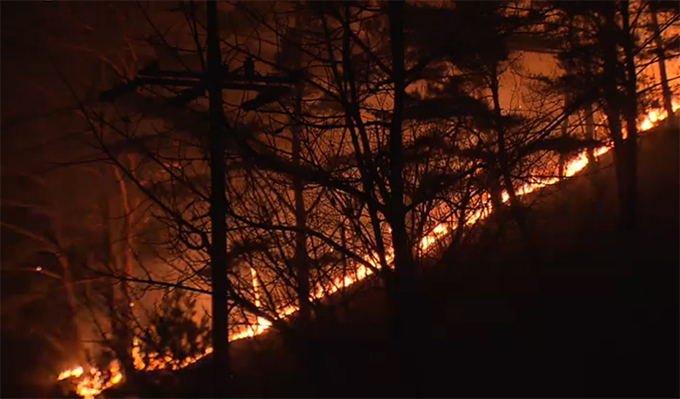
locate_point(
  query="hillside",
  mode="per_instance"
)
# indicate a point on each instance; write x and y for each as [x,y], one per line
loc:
[588,319]
[591,314]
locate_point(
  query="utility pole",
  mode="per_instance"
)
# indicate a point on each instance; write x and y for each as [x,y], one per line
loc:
[215,80]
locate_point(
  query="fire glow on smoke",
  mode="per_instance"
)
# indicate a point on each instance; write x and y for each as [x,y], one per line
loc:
[92,382]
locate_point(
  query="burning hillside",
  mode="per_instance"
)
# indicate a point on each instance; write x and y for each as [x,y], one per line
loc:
[178,177]
[90,382]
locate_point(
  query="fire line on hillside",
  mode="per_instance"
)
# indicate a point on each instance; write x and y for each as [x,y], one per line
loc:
[90,381]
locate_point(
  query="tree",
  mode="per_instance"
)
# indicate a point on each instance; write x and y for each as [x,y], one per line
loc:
[174,332]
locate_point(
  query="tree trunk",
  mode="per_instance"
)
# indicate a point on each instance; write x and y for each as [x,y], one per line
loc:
[345,268]
[498,207]
[504,166]
[65,263]
[404,267]
[658,40]
[564,132]
[628,238]
[301,258]
[127,252]
[71,296]
[590,135]
[612,105]
[218,210]
[367,167]
[629,220]
[112,299]
[122,317]
[402,252]
[304,340]
[496,191]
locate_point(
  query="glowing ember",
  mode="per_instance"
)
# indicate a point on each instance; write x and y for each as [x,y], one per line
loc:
[91,384]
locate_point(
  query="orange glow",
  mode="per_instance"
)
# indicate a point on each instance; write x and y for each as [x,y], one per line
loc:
[91,384]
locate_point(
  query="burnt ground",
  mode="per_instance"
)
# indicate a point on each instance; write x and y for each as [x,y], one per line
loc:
[589,314]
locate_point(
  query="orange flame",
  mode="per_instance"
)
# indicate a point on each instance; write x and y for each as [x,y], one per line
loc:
[75,372]
[91,384]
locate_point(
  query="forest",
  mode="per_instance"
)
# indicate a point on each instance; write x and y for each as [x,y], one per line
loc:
[339,198]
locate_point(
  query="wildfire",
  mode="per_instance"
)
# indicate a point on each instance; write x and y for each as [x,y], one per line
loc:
[91,383]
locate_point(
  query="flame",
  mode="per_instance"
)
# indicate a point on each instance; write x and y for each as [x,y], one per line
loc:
[94,382]
[91,384]
[75,372]
[155,361]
